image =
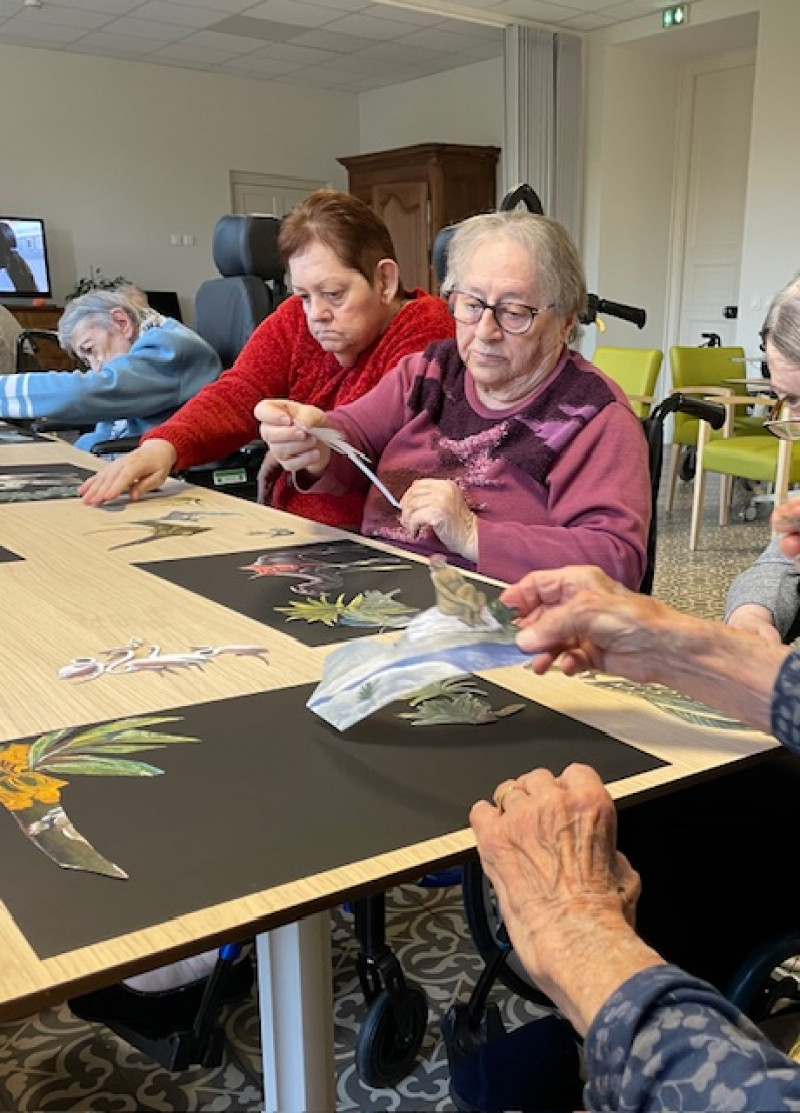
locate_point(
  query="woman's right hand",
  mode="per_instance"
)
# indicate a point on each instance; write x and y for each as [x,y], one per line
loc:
[145,469]
[285,426]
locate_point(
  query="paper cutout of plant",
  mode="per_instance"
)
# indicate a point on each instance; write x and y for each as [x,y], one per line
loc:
[671,703]
[453,701]
[368,608]
[31,784]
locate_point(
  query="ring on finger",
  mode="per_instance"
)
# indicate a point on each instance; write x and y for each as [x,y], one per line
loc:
[501,795]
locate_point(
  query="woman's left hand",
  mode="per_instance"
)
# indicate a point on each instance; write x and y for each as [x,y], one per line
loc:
[439,505]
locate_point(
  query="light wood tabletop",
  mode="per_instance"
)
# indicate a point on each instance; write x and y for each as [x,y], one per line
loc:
[73,587]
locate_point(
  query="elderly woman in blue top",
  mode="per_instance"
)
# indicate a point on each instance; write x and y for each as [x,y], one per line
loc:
[657,1038]
[142,367]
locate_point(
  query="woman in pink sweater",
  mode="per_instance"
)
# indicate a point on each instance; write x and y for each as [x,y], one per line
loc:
[504,449]
[348,322]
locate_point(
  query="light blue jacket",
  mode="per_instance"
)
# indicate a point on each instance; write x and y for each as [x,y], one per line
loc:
[165,367]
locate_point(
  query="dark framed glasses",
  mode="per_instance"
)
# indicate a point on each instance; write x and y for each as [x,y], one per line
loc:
[510,316]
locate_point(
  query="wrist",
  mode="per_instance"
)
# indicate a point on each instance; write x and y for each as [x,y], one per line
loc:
[582,960]
[720,665]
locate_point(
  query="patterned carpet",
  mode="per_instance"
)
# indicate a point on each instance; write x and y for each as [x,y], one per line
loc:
[53,1062]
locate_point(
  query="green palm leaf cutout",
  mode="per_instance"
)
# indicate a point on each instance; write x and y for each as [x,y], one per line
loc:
[104,767]
[369,608]
[50,750]
[463,709]
[672,703]
[378,608]
[450,686]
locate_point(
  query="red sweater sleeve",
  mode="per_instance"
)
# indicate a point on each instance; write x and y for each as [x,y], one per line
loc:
[218,421]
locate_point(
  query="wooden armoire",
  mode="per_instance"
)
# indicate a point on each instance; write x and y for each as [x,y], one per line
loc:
[420,189]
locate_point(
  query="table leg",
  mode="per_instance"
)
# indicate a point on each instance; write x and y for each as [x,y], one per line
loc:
[295,994]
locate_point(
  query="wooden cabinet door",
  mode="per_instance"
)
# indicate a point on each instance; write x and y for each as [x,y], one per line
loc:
[405,209]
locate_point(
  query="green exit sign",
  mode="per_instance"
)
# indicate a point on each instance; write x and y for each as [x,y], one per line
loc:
[675,16]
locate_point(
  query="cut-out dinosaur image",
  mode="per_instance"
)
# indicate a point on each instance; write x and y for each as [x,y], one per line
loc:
[316,574]
[175,523]
[138,656]
[31,780]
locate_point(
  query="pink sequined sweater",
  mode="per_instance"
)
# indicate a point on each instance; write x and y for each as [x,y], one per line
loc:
[560,478]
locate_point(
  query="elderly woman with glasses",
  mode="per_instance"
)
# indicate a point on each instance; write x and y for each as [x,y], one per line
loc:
[503,449]
[764,598]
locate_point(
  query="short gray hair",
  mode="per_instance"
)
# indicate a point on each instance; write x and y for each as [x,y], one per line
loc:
[95,307]
[782,322]
[552,252]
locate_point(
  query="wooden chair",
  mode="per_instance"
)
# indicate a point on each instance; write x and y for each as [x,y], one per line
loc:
[635,370]
[693,371]
[758,457]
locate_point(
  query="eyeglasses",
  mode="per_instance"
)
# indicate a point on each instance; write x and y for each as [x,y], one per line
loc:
[510,316]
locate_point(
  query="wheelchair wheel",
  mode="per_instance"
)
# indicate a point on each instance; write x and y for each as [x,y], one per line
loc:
[483,920]
[383,1055]
[768,983]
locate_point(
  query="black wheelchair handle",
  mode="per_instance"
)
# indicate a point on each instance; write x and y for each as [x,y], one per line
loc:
[629,313]
[524,194]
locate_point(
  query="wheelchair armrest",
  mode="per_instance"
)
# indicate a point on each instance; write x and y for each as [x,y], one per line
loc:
[115,445]
[51,425]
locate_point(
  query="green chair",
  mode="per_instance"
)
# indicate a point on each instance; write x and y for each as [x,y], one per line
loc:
[758,457]
[635,370]
[694,371]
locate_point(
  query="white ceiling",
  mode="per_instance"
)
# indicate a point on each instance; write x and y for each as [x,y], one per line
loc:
[350,45]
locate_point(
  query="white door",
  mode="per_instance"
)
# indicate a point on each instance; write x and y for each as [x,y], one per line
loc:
[719,148]
[255,194]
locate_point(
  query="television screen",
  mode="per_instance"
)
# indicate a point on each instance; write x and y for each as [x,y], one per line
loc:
[24,270]
[165,302]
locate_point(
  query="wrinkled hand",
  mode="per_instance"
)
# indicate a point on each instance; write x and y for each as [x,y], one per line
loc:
[755,619]
[786,520]
[439,505]
[145,469]
[291,446]
[549,847]
[592,620]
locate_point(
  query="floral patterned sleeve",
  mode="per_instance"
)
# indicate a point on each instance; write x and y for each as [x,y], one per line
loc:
[666,1041]
[786,703]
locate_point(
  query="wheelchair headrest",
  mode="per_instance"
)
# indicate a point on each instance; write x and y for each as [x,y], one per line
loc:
[520,195]
[441,245]
[248,245]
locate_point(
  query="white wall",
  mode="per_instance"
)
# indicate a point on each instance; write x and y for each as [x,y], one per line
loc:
[459,106]
[118,155]
[632,104]
[771,254]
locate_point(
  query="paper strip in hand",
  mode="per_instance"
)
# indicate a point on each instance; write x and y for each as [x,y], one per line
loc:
[333,439]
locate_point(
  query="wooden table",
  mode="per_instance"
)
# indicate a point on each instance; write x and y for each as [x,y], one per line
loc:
[76,592]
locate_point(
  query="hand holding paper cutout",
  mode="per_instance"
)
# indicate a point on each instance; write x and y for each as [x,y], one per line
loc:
[462,634]
[286,427]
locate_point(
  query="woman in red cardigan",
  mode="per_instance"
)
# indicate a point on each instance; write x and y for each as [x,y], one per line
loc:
[348,322]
